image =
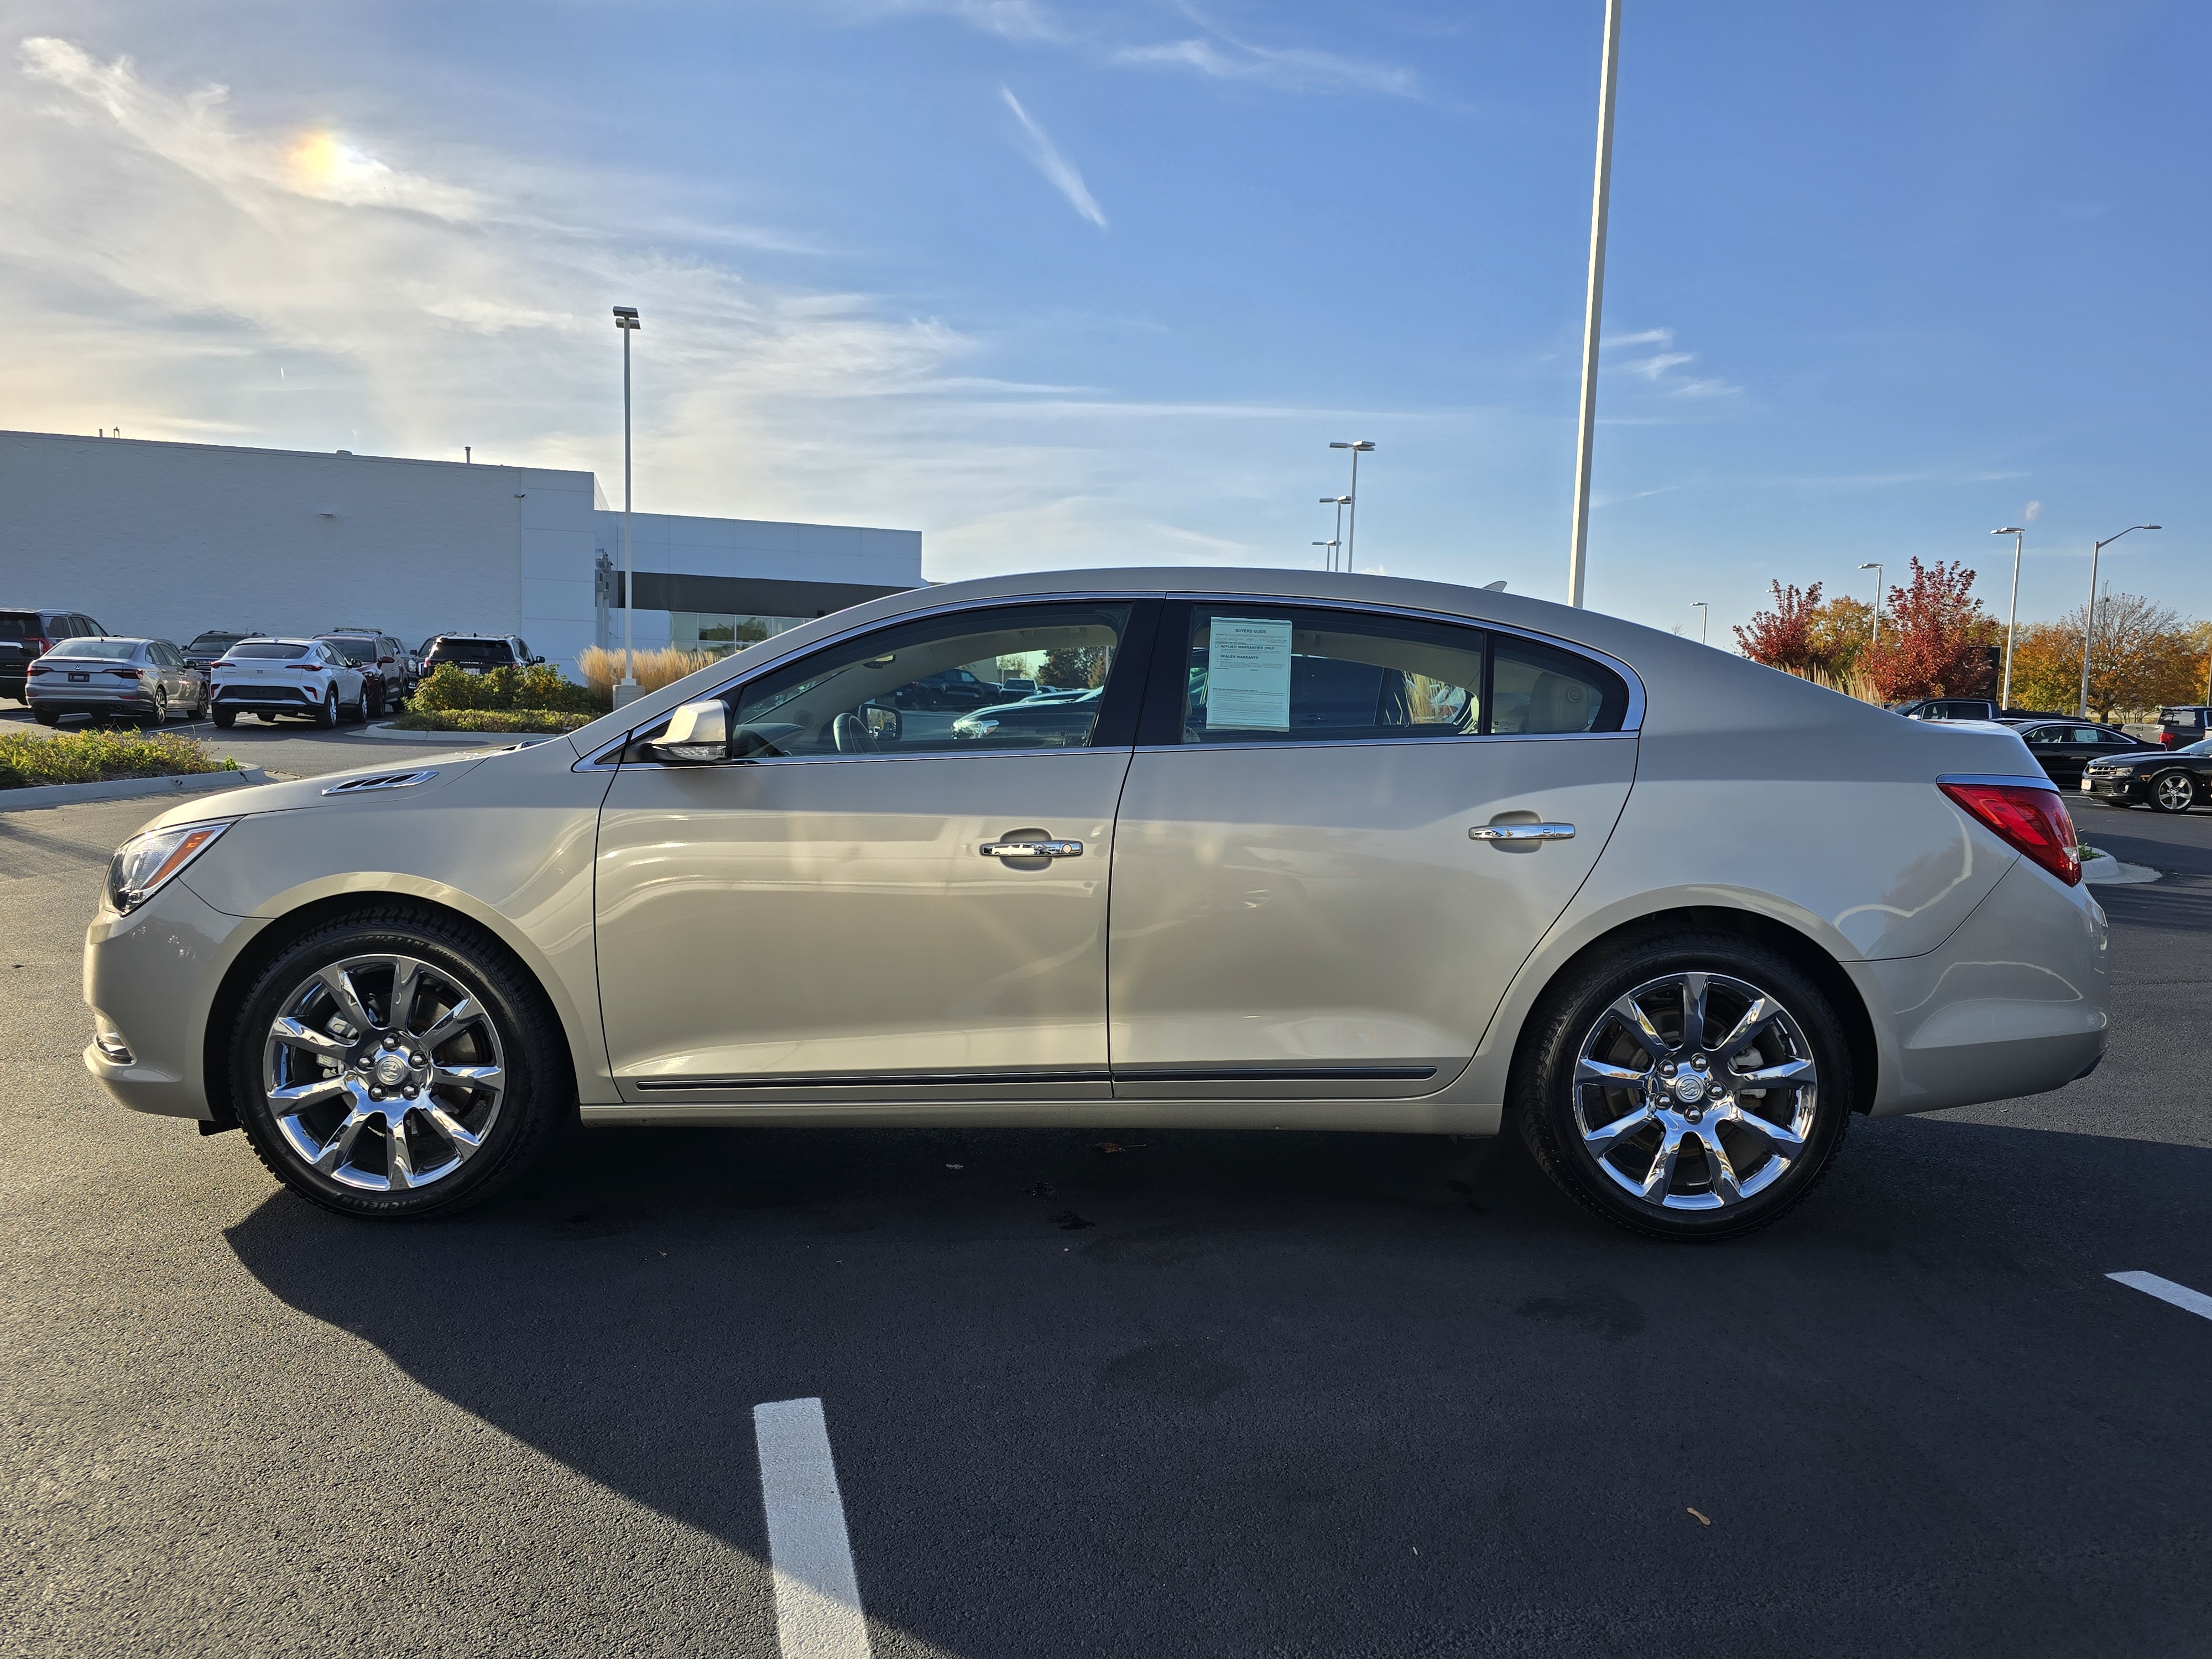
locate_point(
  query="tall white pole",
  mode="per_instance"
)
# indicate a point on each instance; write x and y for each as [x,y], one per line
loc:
[1594,310]
[630,675]
[2012,617]
[2089,622]
[1352,524]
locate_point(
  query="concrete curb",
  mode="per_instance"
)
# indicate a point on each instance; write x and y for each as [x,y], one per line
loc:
[461,740]
[68,794]
[2109,871]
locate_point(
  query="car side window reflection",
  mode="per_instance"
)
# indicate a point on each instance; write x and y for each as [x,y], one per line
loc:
[937,686]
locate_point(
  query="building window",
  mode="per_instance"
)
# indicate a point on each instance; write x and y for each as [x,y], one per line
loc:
[705,630]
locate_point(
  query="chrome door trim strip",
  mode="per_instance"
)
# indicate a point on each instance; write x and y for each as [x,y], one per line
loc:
[1475,737]
[866,1079]
[1273,1074]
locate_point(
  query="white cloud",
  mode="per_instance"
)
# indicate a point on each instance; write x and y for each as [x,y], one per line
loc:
[1649,336]
[2034,512]
[1055,166]
[1658,370]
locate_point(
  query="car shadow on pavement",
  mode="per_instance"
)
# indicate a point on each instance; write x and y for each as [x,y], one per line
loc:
[1180,1391]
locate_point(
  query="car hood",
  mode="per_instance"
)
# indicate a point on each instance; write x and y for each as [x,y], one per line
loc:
[328,793]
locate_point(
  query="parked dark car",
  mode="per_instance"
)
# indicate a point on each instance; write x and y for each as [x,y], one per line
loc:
[143,680]
[2065,748]
[2184,724]
[2165,780]
[383,663]
[1065,719]
[950,688]
[205,648]
[1969,708]
[410,662]
[476,654]
[27,635]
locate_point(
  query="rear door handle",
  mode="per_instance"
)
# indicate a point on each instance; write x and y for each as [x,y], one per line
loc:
[1522,832]
[1031,849]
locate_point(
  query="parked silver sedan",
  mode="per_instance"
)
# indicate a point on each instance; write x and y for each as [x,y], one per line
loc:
[108,677]
[1333,852]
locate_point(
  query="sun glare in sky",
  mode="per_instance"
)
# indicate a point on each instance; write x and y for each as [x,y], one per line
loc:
[322,158]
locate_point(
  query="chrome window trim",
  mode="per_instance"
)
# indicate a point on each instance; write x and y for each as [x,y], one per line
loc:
[2008,780]
[849,760]
[1383,742]
[1632,719]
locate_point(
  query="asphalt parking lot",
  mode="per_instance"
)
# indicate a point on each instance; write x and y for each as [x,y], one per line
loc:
[1209,1394]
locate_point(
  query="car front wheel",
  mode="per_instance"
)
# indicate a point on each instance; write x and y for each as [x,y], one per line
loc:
[2174,792]
[396,1065]
[1690,1087]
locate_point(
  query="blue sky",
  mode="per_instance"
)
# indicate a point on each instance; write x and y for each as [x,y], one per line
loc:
[1064,285]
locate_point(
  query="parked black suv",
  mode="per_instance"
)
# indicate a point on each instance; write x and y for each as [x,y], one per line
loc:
[26,636]
[205,648]
[950,688]
[476,654]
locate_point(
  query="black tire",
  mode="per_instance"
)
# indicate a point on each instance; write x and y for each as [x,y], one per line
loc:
[226,718]
[2174,792]
[46,717]
[327,715]
[160,717]
[1544,1098]
[373,705]
[536,1102]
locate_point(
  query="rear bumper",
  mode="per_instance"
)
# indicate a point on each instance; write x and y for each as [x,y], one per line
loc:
[2013,1003]
[78,700]
[295,697]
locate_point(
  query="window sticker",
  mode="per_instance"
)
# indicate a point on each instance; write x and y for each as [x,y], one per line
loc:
[1248,676]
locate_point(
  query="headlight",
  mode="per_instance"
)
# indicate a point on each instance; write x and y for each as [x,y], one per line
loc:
[972,727]
[142,865]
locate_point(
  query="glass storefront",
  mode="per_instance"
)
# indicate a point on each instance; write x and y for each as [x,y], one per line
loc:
[701,630]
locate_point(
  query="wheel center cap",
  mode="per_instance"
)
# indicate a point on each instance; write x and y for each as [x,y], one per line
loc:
[392,1070]
[1690,1088]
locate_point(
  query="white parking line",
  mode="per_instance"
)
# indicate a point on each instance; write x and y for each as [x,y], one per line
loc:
[2166,1290]
[817,1598]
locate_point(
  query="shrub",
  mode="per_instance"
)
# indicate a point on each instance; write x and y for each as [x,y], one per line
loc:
[96,756]
[492,719]
[541,688]
[655,669]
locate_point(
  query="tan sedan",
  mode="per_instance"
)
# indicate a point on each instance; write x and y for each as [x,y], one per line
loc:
[1326,851]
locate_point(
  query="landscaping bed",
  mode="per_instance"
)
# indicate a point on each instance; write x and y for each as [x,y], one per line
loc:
[521,721]
[522,701]
[99,756]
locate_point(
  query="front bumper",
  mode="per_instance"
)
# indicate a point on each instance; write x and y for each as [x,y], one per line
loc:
[150,978]
[2122,789]
[2013,1003]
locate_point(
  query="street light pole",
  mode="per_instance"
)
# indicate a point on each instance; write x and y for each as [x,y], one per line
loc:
[1330,556]
[1876,569]
[626,320]
[1339,502]
[1594,308]
[1705,617]
[2012,612]
[2089,616]
[1358,447]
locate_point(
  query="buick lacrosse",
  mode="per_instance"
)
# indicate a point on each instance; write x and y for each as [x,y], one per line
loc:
[1323,852]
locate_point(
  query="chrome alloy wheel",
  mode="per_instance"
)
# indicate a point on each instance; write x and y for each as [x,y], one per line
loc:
[383,1073]
[1695,1091]
[2174,792]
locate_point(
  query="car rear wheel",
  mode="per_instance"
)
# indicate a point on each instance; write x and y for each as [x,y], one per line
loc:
[398,1065]
[2174,792]
[1692,1087]
[226,718]
[160,717]
[327,715]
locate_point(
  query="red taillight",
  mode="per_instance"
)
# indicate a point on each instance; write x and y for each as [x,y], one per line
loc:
[2033,820]
[39,668]
[309,667]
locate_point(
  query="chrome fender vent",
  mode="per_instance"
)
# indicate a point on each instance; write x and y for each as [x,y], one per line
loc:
[381,781]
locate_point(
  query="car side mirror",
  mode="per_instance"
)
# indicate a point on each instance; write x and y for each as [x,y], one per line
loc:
[884,725]
[698,734]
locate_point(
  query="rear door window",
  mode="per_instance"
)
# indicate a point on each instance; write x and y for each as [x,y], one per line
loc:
[1262,673]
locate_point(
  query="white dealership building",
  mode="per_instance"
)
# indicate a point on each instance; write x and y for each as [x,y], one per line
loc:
[167,539]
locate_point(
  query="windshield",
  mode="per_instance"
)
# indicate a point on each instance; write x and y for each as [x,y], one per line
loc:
[2203,748]
[94,648]
[472,650]
[273,651]
[356,652]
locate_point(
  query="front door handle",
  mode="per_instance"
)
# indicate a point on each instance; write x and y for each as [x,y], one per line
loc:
[1032,849]
[1522,832]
